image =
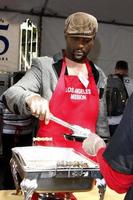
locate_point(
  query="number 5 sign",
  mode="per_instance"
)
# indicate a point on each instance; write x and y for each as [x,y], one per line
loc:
[9,43]
[4,40]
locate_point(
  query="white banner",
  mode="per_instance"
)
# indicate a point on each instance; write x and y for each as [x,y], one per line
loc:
[9,45]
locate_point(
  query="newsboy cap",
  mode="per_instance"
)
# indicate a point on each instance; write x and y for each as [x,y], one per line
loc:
[81,24]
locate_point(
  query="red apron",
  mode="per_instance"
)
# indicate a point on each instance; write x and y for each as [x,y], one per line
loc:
[73,103]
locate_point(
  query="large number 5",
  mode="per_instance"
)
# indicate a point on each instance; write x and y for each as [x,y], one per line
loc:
[4,39]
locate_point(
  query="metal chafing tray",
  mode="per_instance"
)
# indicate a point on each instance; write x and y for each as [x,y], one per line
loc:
[53,168]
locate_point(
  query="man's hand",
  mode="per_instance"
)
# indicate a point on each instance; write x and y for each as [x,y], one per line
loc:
[39,107]
[92,144]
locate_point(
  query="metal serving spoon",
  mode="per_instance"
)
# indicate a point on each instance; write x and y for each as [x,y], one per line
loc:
[77,130]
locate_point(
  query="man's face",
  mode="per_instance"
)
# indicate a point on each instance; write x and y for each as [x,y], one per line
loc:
[77,48]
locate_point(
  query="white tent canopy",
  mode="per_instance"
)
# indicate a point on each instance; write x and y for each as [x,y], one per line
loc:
[104,10]
[115,35]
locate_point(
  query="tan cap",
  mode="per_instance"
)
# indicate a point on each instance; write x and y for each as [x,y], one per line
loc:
[81,24]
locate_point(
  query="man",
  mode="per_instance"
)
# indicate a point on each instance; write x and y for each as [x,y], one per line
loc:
[68,85]
[116,160]
[119,88]
[34,92]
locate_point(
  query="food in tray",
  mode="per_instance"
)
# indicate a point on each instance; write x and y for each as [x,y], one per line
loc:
[81,132]
[72,164]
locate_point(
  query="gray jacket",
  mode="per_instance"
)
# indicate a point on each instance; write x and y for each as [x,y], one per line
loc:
[42,79]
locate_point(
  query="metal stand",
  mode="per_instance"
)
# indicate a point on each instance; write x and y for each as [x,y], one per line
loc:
[15,175]
[102,192]
[101,185]
[28,187]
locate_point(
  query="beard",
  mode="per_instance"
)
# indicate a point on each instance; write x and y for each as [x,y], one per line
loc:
[79,55]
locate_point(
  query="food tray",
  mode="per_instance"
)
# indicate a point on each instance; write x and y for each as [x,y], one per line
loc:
[55,168]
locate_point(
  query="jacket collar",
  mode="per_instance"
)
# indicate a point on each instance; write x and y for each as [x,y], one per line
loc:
[58,57]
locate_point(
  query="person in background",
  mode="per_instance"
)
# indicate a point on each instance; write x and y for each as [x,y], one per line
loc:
[69,86]
[116,160]
[15,130]
[123,69]
[121,80]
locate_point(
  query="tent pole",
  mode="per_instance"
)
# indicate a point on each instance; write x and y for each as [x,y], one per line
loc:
[40,36]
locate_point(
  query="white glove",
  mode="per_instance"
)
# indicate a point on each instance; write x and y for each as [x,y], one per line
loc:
[92,144]
[39,107]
